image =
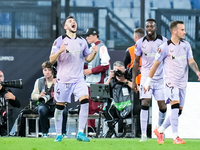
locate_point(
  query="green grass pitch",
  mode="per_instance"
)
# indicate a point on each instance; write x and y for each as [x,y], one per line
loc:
[19,143]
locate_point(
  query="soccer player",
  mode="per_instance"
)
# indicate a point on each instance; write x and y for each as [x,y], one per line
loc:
[177,55]
[70,52]
[146,49]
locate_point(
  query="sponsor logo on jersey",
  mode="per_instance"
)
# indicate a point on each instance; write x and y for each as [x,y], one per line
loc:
[179,57]
[149,54]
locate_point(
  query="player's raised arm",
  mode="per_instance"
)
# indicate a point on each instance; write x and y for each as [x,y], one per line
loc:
[54,56]
[91,56]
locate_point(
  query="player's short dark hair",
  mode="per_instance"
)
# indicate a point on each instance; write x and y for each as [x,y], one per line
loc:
[151,19]
[69,17]
[47,64]
[174,24]
[139,32]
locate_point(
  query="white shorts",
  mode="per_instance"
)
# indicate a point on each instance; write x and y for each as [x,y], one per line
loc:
[157,90]
[175,94]
[63,91]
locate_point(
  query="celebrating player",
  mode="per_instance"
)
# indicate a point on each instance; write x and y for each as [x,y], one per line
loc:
[146,49]
[70,51]
[177,55]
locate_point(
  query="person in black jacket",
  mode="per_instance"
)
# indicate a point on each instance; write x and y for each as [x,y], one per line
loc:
[120,82]
[7,95]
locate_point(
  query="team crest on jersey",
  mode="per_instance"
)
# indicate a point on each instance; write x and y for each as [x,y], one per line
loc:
[171,50]
[54,43]
[159,50]
[65,44]
[80,44]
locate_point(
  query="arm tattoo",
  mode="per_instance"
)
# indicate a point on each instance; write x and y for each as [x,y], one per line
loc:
[194,67]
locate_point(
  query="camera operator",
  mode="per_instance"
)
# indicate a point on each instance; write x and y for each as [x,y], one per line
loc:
[43,92]
[120,90]
[7,95]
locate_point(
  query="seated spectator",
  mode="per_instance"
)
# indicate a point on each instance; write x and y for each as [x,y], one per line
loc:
[43,92]
[120,104]
[7,95]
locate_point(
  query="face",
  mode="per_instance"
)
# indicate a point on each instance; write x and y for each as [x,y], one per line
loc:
[47,73]
[150,28]
[135,37]
[91,38]
[71,25]
[1,76]
[180,31]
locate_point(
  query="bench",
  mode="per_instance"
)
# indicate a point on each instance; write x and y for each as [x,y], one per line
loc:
[74,116]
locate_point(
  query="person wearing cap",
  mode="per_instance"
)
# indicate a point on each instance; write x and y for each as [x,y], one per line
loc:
[96,70]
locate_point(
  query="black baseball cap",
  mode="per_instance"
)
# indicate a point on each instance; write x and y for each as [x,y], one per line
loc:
[92,31]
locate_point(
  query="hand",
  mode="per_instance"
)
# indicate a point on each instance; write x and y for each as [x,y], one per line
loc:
[147,85]
[62,48]
[9,95]
[95,49]
[135,87]
[111,74]
[198,75]
[87,72]
[42,94]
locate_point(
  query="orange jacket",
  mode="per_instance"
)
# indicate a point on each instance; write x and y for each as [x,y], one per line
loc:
[130,65]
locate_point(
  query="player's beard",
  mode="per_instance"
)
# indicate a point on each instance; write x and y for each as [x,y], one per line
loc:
[72,31]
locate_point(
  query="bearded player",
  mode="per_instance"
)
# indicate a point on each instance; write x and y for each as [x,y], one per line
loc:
[70,52]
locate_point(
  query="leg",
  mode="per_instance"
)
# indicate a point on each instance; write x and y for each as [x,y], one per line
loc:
[58,116]
[43,111]
[83,116]
[144,118]
[64,123]
[110,114]
[136,111]
[162,112]
[91,122]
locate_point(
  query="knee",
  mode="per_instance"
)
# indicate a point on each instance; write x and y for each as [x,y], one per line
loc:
[162,106]
[42,110]
[146,102]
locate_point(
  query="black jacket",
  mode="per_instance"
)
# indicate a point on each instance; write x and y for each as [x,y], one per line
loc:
[13,103]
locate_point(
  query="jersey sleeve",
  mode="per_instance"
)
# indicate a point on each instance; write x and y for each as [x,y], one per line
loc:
[138,45]
[161,52]
[189,51]
[56,45]
[104,56]
[86,50]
